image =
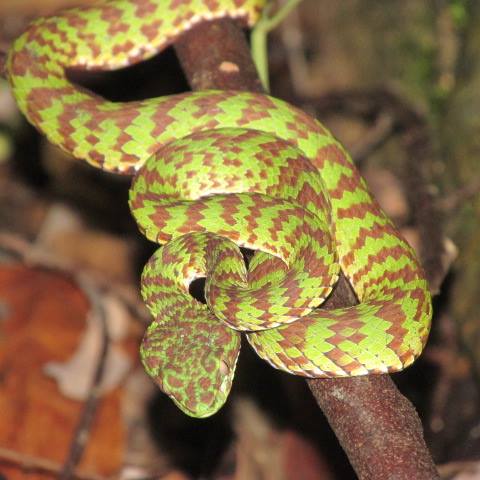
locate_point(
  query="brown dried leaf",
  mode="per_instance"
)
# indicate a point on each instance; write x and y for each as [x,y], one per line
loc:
[64,234]
[43,320]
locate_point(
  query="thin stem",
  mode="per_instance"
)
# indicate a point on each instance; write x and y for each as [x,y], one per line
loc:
[82,431]
[259,37]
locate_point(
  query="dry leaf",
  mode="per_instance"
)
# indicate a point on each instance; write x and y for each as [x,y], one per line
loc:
[74,377]
[63,234]
[43,320]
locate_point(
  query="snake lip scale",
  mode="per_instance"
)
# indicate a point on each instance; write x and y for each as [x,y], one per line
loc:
[216,171]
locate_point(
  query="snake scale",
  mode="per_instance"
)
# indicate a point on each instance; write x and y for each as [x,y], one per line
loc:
[216,171]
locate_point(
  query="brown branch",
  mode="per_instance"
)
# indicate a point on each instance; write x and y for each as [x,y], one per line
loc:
[216,55]
[378,427]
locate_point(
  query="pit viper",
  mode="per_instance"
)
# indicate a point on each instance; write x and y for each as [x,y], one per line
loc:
[215,171]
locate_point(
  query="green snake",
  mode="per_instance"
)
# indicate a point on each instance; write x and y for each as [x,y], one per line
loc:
[216,171]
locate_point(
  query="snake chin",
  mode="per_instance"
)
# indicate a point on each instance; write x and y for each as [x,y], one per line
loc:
[202,403]
[204,410]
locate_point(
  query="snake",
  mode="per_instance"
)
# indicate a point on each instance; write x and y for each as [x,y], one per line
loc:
[216,174]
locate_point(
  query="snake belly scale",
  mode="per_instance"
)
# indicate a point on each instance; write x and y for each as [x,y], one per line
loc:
[219,170]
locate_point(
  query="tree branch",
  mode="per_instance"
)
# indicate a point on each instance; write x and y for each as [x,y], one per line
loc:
[378,427]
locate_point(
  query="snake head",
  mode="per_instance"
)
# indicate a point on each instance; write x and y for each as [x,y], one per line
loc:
[193,364]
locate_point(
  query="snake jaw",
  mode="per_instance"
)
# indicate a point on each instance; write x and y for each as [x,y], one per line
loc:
[224,379]
[197,410]
[217,399]
[204,411]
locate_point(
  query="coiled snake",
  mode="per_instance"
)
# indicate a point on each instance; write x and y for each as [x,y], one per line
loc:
[219,170]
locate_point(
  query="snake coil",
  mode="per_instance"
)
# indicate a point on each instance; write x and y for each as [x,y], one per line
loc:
[219,170]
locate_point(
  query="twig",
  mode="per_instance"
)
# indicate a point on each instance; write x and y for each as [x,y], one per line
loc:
[82,431]
[365,413]
[267,23]
[29,463]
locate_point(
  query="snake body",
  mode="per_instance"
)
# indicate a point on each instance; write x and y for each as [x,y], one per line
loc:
[219,170]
